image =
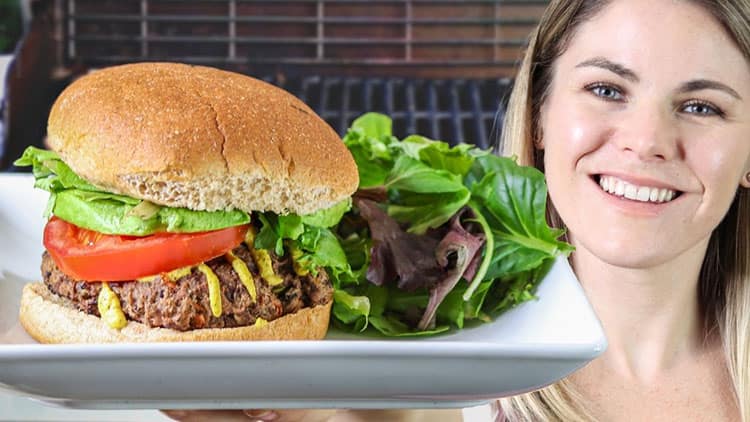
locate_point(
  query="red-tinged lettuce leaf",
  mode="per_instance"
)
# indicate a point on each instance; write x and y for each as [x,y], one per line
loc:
[455,253]
[400,257]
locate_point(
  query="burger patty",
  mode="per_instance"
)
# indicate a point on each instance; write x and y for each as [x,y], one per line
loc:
[183,304]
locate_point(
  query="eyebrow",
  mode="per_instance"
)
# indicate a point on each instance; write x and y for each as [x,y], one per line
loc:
[613,67]
[690,86]
[700,84]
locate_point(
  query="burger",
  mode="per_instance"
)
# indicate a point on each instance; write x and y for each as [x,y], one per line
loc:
[186,204]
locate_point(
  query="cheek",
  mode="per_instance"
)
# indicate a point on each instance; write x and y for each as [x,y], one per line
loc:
[570,130]
[720,168]
[570,137]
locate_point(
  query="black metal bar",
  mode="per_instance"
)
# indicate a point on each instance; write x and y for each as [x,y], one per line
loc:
[345,97]
[388,97]
[455,108]
[432,104]
[304,95]
[323,104]
[367,95]
[410,107]
[476,107]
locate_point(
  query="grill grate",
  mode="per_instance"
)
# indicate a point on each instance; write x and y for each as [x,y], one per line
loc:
[453,110]
[464,37]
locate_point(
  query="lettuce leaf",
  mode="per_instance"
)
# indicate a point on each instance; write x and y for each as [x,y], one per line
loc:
[328,217]
[75,200]
[369,140]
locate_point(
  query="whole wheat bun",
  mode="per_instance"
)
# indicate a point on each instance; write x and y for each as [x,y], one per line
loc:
[200,138]
[49,319]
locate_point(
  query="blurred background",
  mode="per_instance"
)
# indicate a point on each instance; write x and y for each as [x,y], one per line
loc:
[438,68]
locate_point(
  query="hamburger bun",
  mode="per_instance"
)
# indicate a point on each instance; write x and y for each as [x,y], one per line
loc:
[49,318]
[200,138]
[204,139]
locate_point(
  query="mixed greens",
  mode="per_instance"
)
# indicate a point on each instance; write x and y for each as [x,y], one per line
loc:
[451,234]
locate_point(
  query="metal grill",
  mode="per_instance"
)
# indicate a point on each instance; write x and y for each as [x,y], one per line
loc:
[439,68]
[481,37]
[453,110]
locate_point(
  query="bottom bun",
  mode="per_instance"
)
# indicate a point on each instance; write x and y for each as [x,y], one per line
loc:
[49,319]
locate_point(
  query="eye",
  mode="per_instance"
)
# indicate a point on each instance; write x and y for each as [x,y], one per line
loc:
[701,108]
[606,91]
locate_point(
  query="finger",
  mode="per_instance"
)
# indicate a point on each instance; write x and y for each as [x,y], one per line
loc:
[298,415]
[399,415]
[207,415]
[261,414]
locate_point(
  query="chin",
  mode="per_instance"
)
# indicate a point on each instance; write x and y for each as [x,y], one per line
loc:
[627,252]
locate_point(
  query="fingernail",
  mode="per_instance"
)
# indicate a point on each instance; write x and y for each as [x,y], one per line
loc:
[261,414]
[175,414]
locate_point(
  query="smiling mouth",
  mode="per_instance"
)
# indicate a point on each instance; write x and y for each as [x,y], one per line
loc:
[620,188]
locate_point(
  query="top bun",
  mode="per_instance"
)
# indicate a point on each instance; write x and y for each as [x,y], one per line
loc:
[200,138]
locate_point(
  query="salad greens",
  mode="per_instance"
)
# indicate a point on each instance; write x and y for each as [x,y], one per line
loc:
[430,188]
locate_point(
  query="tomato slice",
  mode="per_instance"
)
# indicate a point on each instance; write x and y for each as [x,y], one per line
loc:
[92,256]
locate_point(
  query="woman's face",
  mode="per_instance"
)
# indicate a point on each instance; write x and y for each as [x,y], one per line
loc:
[646,131]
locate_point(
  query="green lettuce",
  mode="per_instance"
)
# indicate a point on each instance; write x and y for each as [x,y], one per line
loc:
[370,140]
[427,182]
[75,200]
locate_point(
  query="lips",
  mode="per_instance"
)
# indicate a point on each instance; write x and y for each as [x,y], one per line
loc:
[618,187]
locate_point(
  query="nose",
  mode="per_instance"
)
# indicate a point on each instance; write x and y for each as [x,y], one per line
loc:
[650,133]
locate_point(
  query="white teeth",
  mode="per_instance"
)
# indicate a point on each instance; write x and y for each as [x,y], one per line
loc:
[619,187]
[643,194]
[631,191]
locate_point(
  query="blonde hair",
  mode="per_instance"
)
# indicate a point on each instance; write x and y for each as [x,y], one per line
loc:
[724,286]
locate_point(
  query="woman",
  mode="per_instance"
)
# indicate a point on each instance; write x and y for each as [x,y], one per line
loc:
[629,95]
[638,111]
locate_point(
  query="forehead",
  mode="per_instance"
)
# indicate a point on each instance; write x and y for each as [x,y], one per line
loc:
[669,36]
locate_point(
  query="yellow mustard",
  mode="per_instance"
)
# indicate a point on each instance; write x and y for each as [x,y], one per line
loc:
[214,290]
[110,309]
[262,260]
[260,322]
[296,255]
[173,275]
[243,272]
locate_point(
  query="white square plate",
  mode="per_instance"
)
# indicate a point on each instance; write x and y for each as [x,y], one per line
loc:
[531,346]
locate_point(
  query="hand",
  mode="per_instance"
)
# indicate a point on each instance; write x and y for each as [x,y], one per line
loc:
[316,415]
[253,415]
